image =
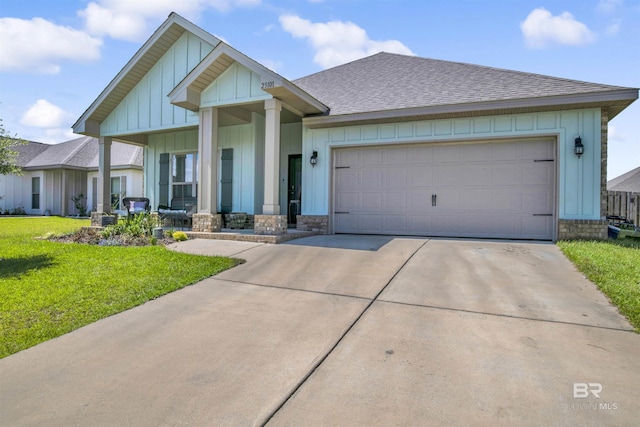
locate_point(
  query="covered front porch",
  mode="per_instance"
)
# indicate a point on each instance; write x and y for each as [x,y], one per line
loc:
[221,133]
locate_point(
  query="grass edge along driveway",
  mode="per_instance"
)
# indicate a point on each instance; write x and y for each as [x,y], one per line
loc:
[49,288]
[614,266]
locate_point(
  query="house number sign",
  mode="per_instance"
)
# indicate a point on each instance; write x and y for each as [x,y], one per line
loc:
[267,85]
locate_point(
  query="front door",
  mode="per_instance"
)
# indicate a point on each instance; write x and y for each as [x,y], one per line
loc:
[294,196]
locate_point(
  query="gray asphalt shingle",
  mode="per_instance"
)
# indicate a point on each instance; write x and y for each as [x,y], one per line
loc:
[387,81]
[77,153]
[629,181]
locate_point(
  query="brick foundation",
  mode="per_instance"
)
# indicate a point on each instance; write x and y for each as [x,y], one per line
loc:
[583,229]
[207,223]
[313,223]
[270,224]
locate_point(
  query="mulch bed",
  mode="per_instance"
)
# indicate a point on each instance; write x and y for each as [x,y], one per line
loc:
[91,236]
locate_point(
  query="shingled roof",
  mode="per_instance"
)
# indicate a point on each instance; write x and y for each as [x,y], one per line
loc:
[385,82]
[79,153]
[629,181]
[28,152]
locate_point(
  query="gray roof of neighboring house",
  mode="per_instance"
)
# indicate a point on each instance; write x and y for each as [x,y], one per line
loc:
[28,152]
[386,81]
[79,153]
[629,181]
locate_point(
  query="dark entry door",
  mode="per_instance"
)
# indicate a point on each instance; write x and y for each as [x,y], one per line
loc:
[294,197]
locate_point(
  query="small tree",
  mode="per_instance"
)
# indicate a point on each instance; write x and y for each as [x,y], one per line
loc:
[8,156]
[79,205]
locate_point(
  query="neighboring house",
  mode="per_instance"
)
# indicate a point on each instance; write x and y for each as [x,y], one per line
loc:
[388,144]
[52,174]
[629,182]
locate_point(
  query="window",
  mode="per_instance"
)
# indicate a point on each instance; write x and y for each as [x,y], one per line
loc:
[118,191]
[35,192]
[184,175]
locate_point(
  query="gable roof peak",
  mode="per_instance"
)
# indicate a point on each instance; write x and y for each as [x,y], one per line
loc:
[136,68]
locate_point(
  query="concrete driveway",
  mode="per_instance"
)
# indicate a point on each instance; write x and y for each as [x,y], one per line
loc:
[346,330]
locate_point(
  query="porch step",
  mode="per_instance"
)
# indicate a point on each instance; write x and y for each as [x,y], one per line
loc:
[249,237]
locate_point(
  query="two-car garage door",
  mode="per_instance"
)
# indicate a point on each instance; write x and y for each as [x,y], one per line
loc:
[492,189]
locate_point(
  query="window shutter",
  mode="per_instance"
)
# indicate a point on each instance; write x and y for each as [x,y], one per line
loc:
[163,196]
[226,188]
[123,186]
[94,194]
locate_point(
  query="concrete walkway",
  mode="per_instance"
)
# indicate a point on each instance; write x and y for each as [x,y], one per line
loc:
[346,330]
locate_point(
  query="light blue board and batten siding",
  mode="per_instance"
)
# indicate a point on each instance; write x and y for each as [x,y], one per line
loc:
[236,85]
[147,107]
[578,180]
[240,138]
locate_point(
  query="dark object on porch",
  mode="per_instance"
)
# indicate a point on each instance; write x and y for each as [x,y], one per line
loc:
[136,205]
[180,212]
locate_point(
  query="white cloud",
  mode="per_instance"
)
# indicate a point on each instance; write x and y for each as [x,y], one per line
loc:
[614,134]
[46,115]
[271,64]
[338,42]
[542,29]
[614,28]
[57,135]
[609,6]
[128,19]
[40,46]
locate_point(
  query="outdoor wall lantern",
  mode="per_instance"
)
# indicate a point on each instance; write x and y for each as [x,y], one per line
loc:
[578,148]
[314,158]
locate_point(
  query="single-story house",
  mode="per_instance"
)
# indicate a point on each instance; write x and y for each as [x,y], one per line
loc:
[629,181]
[388,144]
[54,173]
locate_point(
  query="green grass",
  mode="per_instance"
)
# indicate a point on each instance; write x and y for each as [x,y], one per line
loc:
[614,266]
[49,288]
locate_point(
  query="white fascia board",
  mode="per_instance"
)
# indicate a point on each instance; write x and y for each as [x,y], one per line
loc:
[591,98]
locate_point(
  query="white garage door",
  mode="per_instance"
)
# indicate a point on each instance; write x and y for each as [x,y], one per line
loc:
[497,189]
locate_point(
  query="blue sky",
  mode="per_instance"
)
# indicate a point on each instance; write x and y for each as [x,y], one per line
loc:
[57,56]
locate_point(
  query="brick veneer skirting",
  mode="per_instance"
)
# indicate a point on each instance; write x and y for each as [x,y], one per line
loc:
[208,223]
[270,224]
[571,229]
[313,223]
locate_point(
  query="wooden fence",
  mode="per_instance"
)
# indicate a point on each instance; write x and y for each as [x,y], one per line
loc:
[625,204]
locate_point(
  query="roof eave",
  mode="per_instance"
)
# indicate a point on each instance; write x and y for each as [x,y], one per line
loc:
[616,101]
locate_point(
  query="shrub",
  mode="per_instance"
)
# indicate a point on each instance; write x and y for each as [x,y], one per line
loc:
[180,236]
[18,211]
[80,207]
[132,229]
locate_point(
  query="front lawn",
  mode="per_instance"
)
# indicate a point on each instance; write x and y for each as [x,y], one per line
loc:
[49,288]
[614,266]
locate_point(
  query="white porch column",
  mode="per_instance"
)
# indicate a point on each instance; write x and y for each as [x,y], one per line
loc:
[208,161]
[104,174]
[272,157]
